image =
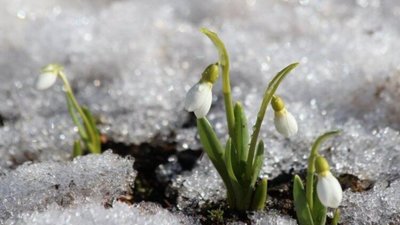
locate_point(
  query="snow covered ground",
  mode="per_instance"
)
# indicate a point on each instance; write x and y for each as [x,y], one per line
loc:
[132,62]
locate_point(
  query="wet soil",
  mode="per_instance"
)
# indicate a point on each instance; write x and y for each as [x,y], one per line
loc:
[148,157]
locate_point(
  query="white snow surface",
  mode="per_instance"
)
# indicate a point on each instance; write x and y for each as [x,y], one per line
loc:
[39,186]
[96,214]
[132,62]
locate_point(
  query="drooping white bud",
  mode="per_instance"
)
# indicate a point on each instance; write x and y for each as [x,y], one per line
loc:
[329,190]
[199,98]
[48,76]
[46,80]
[284,121]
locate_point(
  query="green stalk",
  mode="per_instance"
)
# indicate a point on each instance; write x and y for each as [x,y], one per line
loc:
[336,217]
[311,167]
[90,130]
[81,130]
[226,86]
[273,85]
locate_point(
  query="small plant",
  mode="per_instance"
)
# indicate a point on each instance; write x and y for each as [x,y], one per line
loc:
[217,215]
[311,207]
[240,161]
[81,116]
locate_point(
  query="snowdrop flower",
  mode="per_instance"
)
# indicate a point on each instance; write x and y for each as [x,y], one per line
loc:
[48,77]
[284,121]
[199,97]
[46,80]
[329,190]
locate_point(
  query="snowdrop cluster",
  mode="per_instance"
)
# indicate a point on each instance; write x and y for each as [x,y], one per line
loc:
[240,160]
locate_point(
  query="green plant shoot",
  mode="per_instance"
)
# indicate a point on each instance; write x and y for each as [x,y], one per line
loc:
[311,202]
[81,116]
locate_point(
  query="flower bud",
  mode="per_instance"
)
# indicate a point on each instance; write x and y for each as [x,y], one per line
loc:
[284,121]
[199,97]
[329,191]
[48,76]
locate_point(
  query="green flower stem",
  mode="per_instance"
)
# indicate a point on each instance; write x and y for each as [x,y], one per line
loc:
[226,86]
[90,130]
[336,217]
[311,166]
[269,93]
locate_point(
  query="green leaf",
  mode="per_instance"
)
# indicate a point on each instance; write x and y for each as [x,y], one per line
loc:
[214,150]
[77,149]
[319,210]
[241,142]
[75,119]
[258,163]
[260,195]
[321,139]
[300,203]
[241,132]
[311,167]
[273,85]
[336,217]
[95,139]
[209,140]
[228,160]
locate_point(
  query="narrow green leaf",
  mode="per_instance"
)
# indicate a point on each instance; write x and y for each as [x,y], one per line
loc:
[336,217]
[77,149]
[300,203]
[75,119]
[241,132]
[273,85]
[90,117]
[260,195]
[90,131]
[258,163]
[319,210]
[209,140]
[311,168]
[95,139]
[214,150]
[228,160]
[321,139]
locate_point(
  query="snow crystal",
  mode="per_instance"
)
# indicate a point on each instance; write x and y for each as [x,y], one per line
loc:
[33,187]
[379,205]
[95,213]
[271,217]
[199,186]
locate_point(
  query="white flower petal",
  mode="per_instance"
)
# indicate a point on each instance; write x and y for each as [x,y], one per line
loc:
[198,99]
[205,107]
[329,191]
[285,123]
[46,80]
